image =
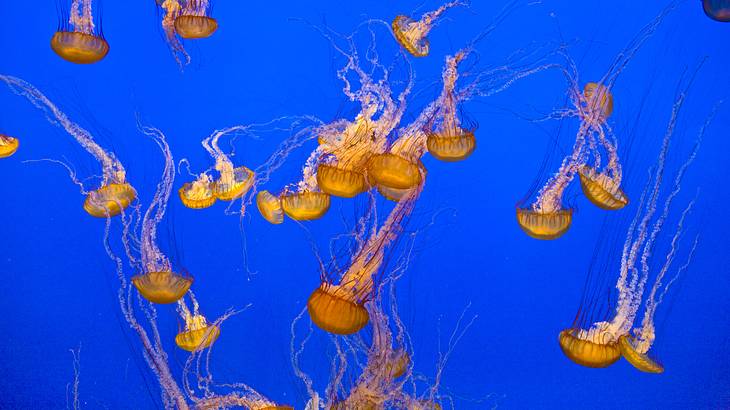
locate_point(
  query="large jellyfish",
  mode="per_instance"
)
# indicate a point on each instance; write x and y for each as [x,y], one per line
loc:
[600,343]
[77,39]
[115,194]
[8,145]
[717,9]
[546,218]
[411,34]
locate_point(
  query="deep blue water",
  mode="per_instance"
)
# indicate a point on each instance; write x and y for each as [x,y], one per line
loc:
[58,288]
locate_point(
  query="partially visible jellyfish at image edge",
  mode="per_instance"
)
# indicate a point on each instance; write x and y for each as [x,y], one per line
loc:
[718,10]
[78,39]
[115,194]
[8,145]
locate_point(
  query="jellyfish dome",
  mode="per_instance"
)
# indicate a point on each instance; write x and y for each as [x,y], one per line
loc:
[588,350]
[109,200]
[198,334]
[233,184]
[270,207]
[78,47]
[602,190]
[305,205]
[8,145]
[334,312]
[198,194]
[641,361]
[544,225]
[718,10]
[394,171]
[337,181]
[163,287]
[408,35]
[598,97]
[192,27]
[451,148]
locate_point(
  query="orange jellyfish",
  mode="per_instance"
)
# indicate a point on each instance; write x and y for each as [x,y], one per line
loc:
[717,9]
[270,207]
[601,341]
[78,40]
[194,20]
[594,155]
[8,145]
[198,334]
[411,34]
[231,183]
[115,194]
[157,282]
[339,307]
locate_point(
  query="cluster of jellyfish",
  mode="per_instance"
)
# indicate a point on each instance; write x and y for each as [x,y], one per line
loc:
[373,153]
[79,38]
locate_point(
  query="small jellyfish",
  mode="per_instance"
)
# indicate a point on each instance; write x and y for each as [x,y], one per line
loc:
[194,20]
[198,334]
[157,282]
[78,40]
[393,171]
[601,343]
[601,189]
[197,194]
[411,34]
[447,139]
[8,145]
[115,194]
[340,182]
[717,9]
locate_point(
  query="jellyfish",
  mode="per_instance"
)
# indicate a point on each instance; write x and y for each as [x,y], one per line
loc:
[198,334]
[194,20]
[600,343]
[8,145]
[232,182]
[270,207]
[115,194]
[78,40]
[157,282]
[411,34]
[547,218]
[718,10]
[339,308]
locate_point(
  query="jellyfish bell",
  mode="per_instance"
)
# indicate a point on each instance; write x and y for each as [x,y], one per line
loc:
[394,171]
[194,27]
[109,200]
[602,190]
[640,361]
[197,194]
[331,309]
[198,334]
[163,287]
[718,10]
[233,185]
[8,145]
[398,364]
[78,47]
[393,194]
[546,225]
[341,182]
[451,148]
[597,97]
[409,36]
[270,207]
[305,205]
[584,349]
